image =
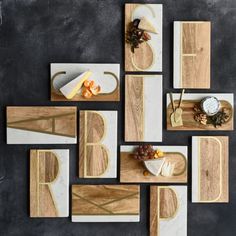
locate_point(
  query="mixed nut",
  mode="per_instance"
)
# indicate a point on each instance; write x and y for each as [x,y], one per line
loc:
[218,119]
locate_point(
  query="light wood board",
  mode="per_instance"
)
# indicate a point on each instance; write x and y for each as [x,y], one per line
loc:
[168,210]
[148,57]
[105,75]
[210,177]
[49,183]
[143,108]
[98,144]
[105,203]
[192,54]
[191,99]
[132,171]
[41,125]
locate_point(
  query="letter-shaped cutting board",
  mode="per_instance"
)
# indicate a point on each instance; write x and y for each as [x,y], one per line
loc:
[132,170]
[98,144]
[105,203]
[49,183]
[143,108]
[192,52]
[107,76]
[41,125]
[148,57]
[210,182]
[168,210]
[190,100]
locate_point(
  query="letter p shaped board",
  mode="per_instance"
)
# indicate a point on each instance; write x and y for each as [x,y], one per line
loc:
[168,210]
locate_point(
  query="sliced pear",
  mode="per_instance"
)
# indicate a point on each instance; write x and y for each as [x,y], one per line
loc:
[154,166]
[70,89]
[146,25]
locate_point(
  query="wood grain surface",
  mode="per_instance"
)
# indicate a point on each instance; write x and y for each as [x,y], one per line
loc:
[132,171]
[44,169]
[213,169]
[93,156]
[105,200]
[143,57]
[195,55]
[134,108]
[50,120]
[188,117]
[163,206]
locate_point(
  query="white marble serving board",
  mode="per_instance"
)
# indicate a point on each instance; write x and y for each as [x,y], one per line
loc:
[106,82]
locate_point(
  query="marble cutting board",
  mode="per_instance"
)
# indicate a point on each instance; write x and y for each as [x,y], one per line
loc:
[41,125]
[98,144]
[105,75]
[105,203]
[168,210]
[49,183]
[210,169]
[148,57]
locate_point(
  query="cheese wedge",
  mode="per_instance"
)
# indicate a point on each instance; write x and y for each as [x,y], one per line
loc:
[154,166]
[146,25]
[71,89]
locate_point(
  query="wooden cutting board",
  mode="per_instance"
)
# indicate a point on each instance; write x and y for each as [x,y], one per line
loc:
[49,183]
[192,54]
[168,210]
[189,101]
[143,108]
[132,171]
[98,144]
[107,76]
[148,57]
[41,125]
[105,203]
[210,182]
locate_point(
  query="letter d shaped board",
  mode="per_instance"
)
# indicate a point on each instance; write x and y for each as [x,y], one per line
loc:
[98,144]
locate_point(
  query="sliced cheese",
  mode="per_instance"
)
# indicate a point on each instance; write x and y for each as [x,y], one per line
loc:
[168,169]
[146,25]
[71,89]
[154,166]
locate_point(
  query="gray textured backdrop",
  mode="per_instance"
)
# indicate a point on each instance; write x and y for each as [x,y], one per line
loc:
[34,33]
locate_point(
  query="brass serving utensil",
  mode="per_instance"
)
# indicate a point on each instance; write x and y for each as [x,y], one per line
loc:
[172,115]
[179,110]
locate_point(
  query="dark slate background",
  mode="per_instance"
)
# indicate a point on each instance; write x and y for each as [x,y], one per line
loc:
[34,33]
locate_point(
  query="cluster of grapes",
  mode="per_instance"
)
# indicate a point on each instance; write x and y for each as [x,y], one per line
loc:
[144,152]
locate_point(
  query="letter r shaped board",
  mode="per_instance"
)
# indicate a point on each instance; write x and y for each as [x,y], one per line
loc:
[49,183]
